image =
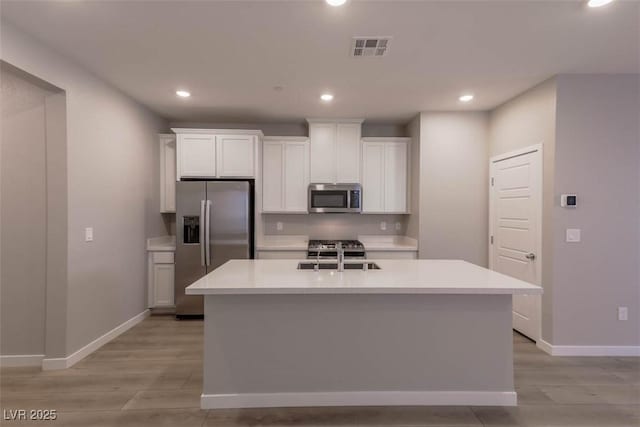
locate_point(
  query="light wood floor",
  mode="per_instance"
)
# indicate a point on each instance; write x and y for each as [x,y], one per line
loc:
[152,376]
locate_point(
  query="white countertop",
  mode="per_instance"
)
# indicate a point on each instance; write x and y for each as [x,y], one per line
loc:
[238,277]
[162,243]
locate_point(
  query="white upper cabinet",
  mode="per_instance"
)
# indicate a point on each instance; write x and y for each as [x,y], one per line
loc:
[395,176]
[236,155]
[348,152]
[385,174]
[215,153]
[335,151]
[167,173]
[323,152]
[296,176]
[272,176]
[285,174]
[196,156]
[373,177]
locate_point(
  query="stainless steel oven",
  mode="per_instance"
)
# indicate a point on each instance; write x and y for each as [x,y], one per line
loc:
[332,198]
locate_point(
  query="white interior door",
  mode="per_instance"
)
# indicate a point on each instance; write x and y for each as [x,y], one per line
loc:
[515,215]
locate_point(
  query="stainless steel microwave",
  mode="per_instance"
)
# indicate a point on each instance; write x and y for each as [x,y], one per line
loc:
[335,198]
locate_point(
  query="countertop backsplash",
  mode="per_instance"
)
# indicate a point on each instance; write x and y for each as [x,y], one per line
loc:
[333,226]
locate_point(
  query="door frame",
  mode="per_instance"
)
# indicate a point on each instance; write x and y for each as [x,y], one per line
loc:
[536,148]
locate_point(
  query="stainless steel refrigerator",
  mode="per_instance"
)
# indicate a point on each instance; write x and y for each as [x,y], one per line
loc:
[214,223]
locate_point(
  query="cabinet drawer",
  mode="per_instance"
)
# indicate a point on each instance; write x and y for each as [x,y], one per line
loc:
[163,257]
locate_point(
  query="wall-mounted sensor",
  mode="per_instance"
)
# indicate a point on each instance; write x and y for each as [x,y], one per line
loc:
[569,200]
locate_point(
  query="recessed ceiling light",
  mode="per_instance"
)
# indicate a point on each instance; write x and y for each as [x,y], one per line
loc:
[183,93]
[466,98]
[336,2]
[326,97]
[598,3]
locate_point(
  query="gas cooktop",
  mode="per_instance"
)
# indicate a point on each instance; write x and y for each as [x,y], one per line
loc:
[328,248]
[332,244]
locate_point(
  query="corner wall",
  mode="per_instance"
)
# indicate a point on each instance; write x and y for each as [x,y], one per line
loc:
[112,170]
[526,120]
[413,221]
[453,187]
[589,126]
[24,214]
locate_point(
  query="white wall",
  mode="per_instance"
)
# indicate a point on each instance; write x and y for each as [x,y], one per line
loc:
[112,168]
[589,128]
[526,120]
[454,186]
[597,157]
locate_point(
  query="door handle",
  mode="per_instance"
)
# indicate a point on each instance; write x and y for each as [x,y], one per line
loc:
[530,256]
[207,230]
[202,233]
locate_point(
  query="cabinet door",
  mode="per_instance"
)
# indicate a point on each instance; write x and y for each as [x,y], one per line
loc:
[236,156]
[167,174]
[395,177]
[163,276]
[296,181]
[196,156]
[348,152]
[272,177]
[323,155]
[373,167]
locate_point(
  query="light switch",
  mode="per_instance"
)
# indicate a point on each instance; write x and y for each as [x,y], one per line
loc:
[573,235]
[398,226]
[88,234]
[279,226]
[383,225]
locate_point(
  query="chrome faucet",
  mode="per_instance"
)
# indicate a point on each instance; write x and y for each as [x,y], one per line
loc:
[340,256]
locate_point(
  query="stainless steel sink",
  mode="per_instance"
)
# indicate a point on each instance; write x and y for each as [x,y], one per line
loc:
[334,266]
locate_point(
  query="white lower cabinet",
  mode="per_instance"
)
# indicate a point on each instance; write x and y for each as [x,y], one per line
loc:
[285,174]
[161,272]
[385,174]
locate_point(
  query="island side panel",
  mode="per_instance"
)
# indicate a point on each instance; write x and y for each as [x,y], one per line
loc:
[314,350]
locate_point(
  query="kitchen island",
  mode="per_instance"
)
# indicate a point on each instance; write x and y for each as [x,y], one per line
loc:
[414,332]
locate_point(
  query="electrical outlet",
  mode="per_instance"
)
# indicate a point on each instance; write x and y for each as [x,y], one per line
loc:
[383,225]
[398,226]
[279,226]
[623,313]
[88,234]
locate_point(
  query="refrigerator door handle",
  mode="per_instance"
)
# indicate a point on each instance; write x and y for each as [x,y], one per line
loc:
[207,231]
[202,233]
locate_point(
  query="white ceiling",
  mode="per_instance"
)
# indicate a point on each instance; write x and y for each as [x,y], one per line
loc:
[231,54]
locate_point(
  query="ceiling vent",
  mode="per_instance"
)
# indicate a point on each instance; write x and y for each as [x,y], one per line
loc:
[370,46]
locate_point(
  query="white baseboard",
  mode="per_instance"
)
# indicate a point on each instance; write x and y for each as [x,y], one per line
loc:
[21,360]
[69,361]
[359,398]
[588,350]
